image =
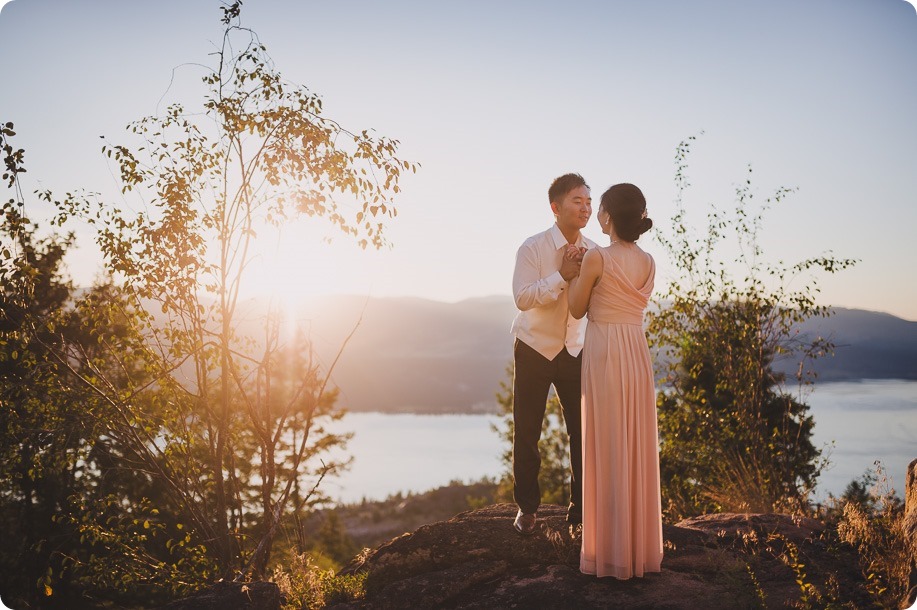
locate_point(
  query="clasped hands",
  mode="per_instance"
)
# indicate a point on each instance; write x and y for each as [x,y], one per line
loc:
[573,260]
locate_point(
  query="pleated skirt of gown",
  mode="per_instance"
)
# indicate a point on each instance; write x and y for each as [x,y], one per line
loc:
[622,513]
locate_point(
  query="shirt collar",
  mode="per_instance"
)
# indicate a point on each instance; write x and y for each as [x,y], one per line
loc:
[560,241]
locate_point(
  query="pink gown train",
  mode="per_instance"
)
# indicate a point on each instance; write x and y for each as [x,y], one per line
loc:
[622,513]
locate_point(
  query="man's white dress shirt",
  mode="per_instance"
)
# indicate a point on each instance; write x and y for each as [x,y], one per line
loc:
[544,322]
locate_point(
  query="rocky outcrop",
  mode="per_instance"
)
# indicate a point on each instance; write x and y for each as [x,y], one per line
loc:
[910,505]
[910,524]
[476,560]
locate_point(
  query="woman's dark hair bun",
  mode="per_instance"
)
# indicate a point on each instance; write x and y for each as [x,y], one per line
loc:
[625,204]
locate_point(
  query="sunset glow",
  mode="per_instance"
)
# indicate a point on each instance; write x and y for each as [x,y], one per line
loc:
[802,113]
[305,258]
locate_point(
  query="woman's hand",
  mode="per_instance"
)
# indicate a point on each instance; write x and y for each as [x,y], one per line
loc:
[574,253]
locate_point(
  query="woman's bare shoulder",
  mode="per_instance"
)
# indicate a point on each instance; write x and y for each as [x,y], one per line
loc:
[593,253]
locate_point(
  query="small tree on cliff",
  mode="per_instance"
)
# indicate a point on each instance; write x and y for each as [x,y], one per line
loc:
[234,427]
[731,436]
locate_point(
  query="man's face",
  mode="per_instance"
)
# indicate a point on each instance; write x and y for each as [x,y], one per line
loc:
[574,209]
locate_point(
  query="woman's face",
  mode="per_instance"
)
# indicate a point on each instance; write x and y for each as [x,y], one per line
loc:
[604,221]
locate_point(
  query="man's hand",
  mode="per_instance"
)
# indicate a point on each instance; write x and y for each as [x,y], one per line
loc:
[573,259]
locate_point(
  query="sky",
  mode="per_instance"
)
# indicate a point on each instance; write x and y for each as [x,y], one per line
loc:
[496,99]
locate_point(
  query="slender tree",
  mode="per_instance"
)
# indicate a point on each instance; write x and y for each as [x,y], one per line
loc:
[215,422]
[733,435]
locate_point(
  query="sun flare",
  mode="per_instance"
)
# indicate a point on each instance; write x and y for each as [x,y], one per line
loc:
[303,259]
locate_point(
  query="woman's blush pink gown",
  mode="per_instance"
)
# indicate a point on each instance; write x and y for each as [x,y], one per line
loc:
[622,513]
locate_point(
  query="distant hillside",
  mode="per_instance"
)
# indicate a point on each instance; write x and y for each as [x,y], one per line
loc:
[418,355]
[413,354]
[868,345]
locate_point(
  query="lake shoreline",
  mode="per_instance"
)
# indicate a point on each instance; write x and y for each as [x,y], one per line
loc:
[856,423]
[477,410]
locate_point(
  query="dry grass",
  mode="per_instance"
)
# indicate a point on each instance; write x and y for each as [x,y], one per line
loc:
[306,586]
[740,484]
[877,532]
[884,551]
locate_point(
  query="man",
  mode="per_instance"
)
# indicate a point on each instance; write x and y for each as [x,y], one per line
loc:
[548,345]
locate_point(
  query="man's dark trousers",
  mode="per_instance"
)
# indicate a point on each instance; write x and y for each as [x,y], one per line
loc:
[534,374]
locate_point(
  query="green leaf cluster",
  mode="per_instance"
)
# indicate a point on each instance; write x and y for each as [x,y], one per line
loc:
[733,436]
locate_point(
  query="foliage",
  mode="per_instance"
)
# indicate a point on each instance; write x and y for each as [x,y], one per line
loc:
[237,416]
[875,527]
[332,540]
[41,437]
[731,436]
[306,586]
[816,590]
[859,492]
[554,476]
[133,552]
[861,527]
[156,435]
[70,502]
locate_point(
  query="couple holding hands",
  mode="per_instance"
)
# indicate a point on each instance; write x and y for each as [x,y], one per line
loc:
[601,371]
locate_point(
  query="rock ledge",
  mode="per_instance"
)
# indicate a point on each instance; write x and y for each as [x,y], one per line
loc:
[476,560]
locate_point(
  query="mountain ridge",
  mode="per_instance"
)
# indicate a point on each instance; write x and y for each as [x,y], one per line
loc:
[410,354]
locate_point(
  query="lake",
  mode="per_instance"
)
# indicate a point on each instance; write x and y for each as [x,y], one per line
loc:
[865,420]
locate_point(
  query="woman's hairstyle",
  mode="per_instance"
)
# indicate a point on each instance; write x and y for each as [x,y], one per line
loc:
[626,206]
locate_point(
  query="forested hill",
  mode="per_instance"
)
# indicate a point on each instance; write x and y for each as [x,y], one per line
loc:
[417,355]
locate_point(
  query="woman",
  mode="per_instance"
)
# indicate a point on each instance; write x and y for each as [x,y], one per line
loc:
[622,513]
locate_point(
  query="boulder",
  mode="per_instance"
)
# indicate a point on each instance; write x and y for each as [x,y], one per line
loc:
[910,505]
[910,526]
[477,560]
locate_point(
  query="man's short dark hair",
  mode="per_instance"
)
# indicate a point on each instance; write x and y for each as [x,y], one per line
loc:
[563,185]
